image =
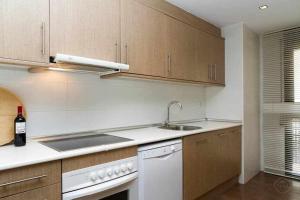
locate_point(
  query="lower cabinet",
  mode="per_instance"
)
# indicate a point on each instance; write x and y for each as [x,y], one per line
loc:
[210,159]
[228,154]
[52,192]
[34,182]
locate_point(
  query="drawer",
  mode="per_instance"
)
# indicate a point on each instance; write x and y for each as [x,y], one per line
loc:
[227,131]
[237,129]
[52,192]
[80,162]
[22,179]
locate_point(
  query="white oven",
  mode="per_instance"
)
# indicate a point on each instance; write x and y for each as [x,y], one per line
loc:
[116,180]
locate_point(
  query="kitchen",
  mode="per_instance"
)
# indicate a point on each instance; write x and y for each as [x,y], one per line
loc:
[148,99]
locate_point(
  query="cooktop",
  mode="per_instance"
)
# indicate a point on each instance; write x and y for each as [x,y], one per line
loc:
[79,142]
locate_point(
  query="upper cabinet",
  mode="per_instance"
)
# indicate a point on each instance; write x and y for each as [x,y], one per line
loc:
[220,60]
[24,28]
[194,55]
[202,59]
[156,39]
[217,60]
[85,28]
[182,50]
[143,39]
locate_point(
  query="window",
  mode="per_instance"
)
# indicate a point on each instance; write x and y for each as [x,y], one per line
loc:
[296,142]
[297,75]
[281,103]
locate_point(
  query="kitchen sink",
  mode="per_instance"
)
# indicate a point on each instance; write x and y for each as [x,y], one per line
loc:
[180,127]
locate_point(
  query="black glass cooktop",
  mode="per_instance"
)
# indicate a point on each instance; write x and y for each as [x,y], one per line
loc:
[80,142]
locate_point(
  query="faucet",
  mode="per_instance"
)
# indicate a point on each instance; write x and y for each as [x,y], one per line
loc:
[169,106]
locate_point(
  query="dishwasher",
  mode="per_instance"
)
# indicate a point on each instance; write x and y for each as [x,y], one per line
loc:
[160,171]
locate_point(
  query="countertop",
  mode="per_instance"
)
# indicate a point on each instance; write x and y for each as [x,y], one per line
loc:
[34,152]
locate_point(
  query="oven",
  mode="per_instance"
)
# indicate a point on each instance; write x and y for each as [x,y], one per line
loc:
[116,180]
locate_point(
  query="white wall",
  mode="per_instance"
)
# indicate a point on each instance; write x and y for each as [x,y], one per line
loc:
[59,102]
[227,103]
[251,121]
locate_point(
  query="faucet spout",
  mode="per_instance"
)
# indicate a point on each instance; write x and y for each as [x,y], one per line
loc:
[169,107]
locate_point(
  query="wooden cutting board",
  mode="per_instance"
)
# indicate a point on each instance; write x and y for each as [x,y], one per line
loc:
[8,112]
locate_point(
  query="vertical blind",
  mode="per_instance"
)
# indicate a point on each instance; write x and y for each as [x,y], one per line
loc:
[281,102]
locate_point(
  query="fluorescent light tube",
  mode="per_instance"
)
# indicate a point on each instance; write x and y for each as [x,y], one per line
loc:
[62,58]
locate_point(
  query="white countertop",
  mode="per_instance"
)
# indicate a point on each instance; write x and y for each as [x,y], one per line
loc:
[34,152]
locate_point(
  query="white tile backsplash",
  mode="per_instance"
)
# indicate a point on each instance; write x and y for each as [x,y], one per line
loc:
[43,96]
[46,123]
[58,102]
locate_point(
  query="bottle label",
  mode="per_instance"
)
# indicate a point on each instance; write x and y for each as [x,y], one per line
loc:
[20,127]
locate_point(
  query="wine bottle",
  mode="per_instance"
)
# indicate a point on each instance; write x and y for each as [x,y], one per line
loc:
[20,128]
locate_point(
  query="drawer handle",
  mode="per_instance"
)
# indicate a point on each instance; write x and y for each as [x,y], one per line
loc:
[221,134]
[215,72]
[116,45]
[126,51]
[23,180]
[43,39]
[203,141]
[209,72]
[169,63]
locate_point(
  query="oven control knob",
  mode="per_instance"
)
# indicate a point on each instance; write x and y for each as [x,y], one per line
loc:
[123,168]
[101,174]
[93,176]
[117,170]
[109,172]
[130,166]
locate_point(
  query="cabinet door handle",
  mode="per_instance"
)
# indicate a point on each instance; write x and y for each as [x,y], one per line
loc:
[203,141]
[23,180]
[209,72]
[221,134]
[116,45]
[126,52]
[169,63]
[43,39]
[215,72]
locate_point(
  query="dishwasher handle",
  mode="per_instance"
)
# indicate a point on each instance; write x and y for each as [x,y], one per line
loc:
[161,153]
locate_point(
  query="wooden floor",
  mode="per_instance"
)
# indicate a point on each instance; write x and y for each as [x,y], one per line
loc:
[263,187]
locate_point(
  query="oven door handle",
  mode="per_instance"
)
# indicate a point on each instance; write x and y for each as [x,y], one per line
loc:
[100,187]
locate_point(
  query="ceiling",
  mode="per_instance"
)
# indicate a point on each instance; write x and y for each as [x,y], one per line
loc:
[280,14]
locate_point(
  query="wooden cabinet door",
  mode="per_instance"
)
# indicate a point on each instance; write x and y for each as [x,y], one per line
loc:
[223,163]
[229,154]
[52,192]
[143,39]
[219,46]
[182,48]
[199,157]
[217,60]
[86,28]
[202,57]
[24,27]
[234,151]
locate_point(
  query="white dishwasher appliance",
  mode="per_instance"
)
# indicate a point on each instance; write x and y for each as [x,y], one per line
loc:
[160,171]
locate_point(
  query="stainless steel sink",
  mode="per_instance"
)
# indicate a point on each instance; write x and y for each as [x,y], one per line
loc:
[179,127]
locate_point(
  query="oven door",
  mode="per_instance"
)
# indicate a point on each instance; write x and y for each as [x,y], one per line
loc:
[123,188]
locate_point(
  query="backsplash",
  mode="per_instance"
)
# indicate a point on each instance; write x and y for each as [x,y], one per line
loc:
[61,102]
